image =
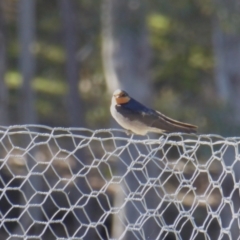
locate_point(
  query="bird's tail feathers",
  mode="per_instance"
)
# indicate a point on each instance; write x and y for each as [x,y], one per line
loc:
[178,126]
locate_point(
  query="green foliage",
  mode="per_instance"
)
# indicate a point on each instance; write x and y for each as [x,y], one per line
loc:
[182,67]
[13,80]
[182,61]
[50,82]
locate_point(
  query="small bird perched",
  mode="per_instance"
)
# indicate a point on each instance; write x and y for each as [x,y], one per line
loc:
[138,119]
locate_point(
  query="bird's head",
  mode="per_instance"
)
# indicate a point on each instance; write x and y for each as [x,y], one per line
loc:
[120,97]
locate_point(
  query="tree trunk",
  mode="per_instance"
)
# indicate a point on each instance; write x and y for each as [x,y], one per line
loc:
[226,46]
[75,106]
[26,28]
[3,89]
[126,57]
[27,112]
[126,52]
[74,102]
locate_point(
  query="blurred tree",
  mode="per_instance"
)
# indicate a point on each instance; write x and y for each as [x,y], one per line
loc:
[74,101]
[3,89]
[226,45]
[26,33]
[126,59]
[26,105]
[75,106]
[126,52]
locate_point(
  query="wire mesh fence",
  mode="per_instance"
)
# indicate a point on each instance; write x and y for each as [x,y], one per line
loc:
[59,183]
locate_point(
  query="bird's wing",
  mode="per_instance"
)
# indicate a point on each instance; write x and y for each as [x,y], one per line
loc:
[171,125]
[135,111]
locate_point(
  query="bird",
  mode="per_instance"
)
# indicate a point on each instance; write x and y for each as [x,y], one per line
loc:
[139,119]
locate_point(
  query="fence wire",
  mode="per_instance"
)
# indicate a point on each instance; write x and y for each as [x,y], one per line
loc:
[72,183]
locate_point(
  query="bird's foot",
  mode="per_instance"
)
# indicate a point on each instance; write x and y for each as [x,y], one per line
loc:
[129,132]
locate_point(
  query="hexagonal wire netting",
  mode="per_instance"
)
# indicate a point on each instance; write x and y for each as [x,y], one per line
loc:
[59,183]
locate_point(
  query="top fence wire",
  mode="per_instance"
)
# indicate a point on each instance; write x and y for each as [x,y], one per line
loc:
[59,183]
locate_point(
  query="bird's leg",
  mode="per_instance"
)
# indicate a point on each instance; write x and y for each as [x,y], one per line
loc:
[129,132]
[161,138]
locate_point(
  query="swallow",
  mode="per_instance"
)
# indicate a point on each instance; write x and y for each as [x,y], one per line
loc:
[139,119]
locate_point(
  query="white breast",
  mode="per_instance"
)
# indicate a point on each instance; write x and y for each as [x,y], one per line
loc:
[134,126]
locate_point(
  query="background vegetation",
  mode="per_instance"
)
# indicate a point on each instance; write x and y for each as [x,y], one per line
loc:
[183,77]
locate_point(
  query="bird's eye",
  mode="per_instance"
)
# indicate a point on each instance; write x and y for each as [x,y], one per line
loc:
[123,94]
